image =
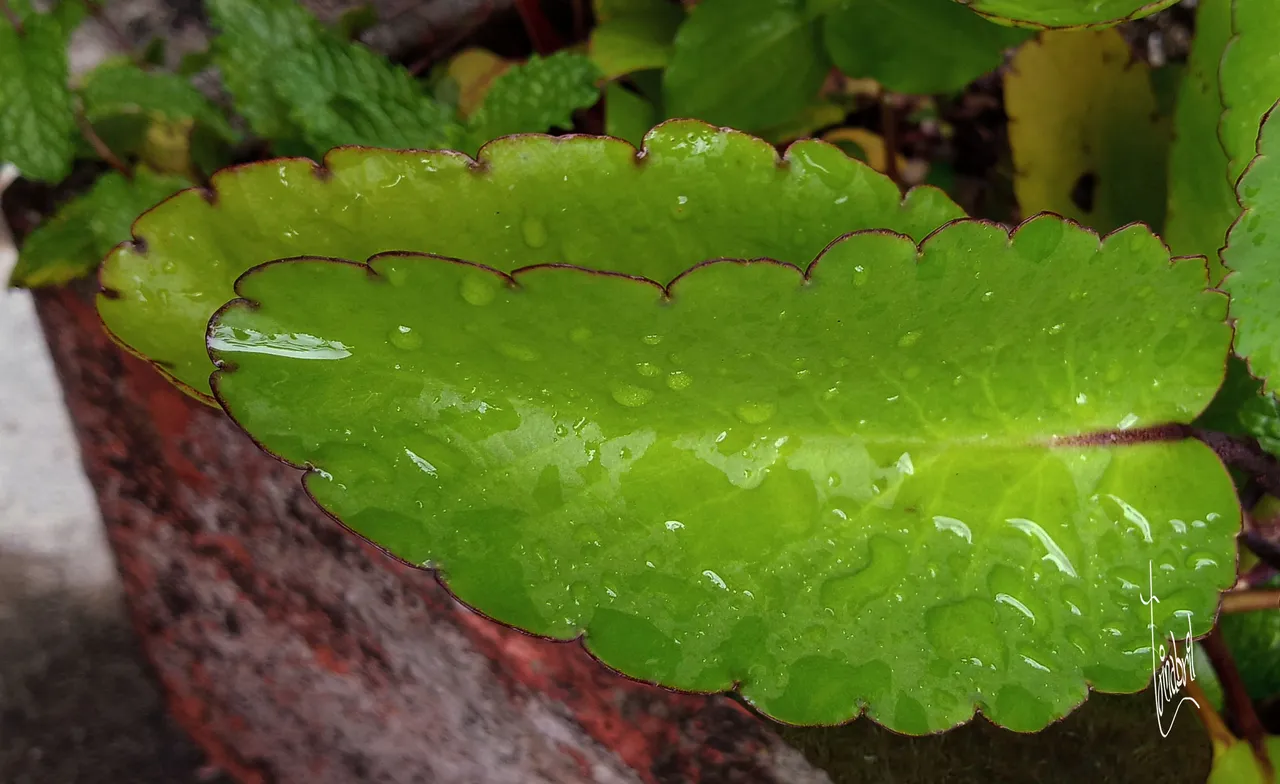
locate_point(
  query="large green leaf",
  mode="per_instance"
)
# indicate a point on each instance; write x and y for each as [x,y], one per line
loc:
[1066,13]
[1250,79]
[697,194]
[1253,257]
[71,243]
[908,479]
[1088,141]
[1202,204]
[747,64]
[37,123]
[916,46]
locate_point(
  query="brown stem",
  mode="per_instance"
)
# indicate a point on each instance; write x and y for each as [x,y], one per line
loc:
[436,49]
[542,35]
[99,15]
[100,147]
[1251,601]
[889,131]
[1210,718]
[1245,454]
[1238,703]
[12,16]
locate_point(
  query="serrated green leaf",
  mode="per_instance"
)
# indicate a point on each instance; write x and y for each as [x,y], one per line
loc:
[373,202]
[1088,141]
[252,35]
[535,97]
[70,244]
[340,93]
[1202,204]
[119,87]
[1252,255]
[37,121]
[748,64]
[916,46]
[849,486]
[1066,13]
[635,42]
[1250,79]
[627,115]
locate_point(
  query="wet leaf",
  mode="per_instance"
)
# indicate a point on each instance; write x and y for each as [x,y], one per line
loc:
[1250,79]
[748,64]
[814,117]
[1202,204]
[637,41]
[525,210]
[1066,13]
[37,124]
[916,46]
[849,487]
[866,146]
[1253,257]
[72,242]
[1088,140]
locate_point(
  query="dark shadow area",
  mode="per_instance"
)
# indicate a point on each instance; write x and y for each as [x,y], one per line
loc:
[77,703]
[1111,738]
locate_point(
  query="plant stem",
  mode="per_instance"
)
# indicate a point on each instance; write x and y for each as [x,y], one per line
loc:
[99,15]
[542,35]
[12,16]
[1210,718]
[1245,454]
[889,132]
[1238,703]
[100,147]
[1250,601]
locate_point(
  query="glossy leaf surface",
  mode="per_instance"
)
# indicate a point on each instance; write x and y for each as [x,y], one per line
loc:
[1066,13]
[915,46]
[1088,141]
[1250,79]
[535,97]
[1253,257]
[746,64]
[856,487]
[1202,203]
[701,193]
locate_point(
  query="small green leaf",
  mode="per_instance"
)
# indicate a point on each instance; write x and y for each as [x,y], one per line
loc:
[608,10]
[1088,141]
[716,193]
[747,64]
[535,97]
[1237,764]
[70,244]
[890,479]
[627,115]
[1066,13]
[813,118]
[1252,255]
[340,93]
[916,46]
[119,87]
[253,34]
[635,42]
[1202,204]
[37,121]
[1250,79]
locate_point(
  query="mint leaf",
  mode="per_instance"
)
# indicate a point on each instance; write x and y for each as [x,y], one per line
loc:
[535,97]
[71,243]
[119,87]
[37,120]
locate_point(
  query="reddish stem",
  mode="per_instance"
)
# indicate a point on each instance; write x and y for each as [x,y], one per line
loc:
[542,35]
[1238,703]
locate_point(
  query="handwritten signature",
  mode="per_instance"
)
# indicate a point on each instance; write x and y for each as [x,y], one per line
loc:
[1172,670]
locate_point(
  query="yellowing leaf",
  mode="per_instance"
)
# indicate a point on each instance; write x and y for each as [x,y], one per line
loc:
[1088,140]
[474,71]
